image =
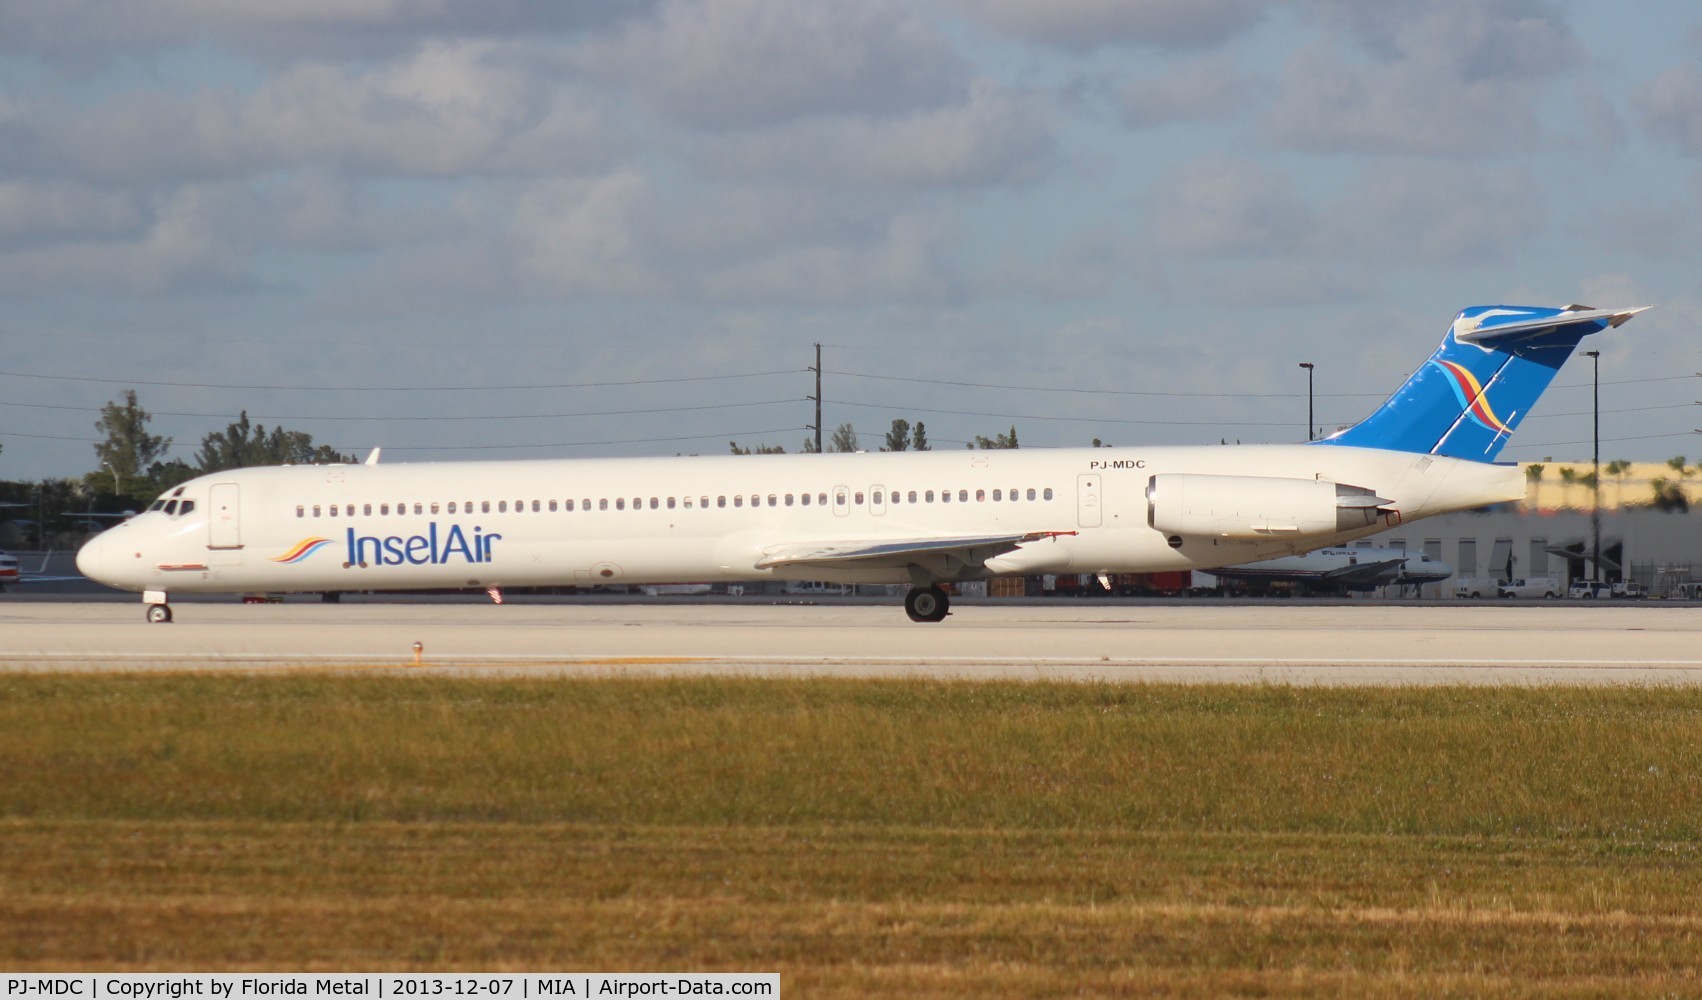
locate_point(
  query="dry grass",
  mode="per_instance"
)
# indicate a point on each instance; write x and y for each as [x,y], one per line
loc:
[900,838]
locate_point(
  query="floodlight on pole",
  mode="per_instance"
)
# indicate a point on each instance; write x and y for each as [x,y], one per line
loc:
[1309,423]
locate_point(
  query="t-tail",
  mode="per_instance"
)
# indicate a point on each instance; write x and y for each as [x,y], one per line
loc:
[1469,398]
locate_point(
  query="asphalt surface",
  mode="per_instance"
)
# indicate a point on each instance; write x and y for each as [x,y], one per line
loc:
[1349,642]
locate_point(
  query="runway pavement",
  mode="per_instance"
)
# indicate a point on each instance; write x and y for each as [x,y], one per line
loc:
[1275,642]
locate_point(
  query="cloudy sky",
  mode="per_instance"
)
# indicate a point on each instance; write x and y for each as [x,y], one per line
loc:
[514,229]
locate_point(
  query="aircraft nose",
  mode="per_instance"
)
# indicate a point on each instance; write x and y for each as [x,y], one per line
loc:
[94,559]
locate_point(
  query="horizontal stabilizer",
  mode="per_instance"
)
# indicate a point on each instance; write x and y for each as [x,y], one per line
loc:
[1493,328]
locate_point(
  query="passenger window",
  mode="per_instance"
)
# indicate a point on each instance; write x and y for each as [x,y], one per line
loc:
[998,495]
[315,510]
[687,502]
[910,497]
[703,502]
[567,504]
[300,511]
[806,499]
[980,496]
[588,503]
[620,503]
[552,506]
[419,509]
[434,508]
[502,506]
[756,500]
[789,499]
[857,499]
[485,506]
[773,501]
[655,503]
[1031,493]
[670,503]
[637,503]
[928,496]
[451,506]
[738,501]
[383,508]
[1013,493]
[821,498]
[962,496]
[1048,494]
[168,509]
[602,503]
[720,501]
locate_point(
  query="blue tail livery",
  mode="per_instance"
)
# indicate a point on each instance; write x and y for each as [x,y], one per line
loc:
[1475,390]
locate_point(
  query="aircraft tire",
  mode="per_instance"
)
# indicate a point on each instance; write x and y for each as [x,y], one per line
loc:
[927,604]
[159,613]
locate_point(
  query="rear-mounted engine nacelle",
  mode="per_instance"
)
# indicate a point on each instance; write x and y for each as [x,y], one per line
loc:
[1256,506]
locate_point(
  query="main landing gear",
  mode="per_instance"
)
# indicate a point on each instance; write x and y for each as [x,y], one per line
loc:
[927,604]
[158,610]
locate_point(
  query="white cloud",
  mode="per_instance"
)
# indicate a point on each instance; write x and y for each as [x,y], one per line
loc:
[449,108]
[1219,206]
[1435,213]
[32,211]
[993,136]
[1450,78]
[743,63]
[1670,106]
[1210,89]
[1087,24]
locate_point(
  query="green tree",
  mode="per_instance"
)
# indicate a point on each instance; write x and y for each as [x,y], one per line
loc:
[1001,441]
[1534,471]
[243,444]
[761,449]
[919,438]
[844,438]
[128,449]
[898,439]
[1676,464]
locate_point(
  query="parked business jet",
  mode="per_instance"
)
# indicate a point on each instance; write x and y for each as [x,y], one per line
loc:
[922,518]
[1336,569]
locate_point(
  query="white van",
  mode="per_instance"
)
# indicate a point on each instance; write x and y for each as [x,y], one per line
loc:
[1536,586]
[1476,586]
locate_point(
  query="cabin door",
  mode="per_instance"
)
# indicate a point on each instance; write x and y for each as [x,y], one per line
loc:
[224,522]
[1089,502]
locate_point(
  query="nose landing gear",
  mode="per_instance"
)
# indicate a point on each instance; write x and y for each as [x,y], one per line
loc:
[927,604]
[158,610]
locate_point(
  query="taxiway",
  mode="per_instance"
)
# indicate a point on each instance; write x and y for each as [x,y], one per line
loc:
[1159,641]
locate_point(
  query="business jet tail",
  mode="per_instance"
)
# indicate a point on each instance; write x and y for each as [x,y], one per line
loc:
[1466,401]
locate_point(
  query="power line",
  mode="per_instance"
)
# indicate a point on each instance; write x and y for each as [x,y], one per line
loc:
[396,388]
[515,416]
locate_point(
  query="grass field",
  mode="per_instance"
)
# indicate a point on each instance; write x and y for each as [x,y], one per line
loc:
[862,837]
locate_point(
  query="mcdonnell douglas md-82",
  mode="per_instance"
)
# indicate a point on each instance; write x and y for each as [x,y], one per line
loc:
[921,518]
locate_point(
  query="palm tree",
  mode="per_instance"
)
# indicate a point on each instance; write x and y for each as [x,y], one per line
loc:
[1568,477]
[1618,469]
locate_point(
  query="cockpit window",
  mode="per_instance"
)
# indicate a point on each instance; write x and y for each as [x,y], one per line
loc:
[186,507]
[171,508]
[156,505]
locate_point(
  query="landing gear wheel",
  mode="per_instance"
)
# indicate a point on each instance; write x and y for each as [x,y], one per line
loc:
[927,605]
[158,613]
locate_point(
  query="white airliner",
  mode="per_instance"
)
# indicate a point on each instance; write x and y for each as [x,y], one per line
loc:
[922,518]
[1337,568]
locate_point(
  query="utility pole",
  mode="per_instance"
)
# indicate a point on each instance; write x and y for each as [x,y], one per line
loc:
[1309,424]
[1596,467]
[817,397]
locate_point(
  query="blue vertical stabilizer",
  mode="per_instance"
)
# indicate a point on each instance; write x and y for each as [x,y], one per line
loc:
[1466,401]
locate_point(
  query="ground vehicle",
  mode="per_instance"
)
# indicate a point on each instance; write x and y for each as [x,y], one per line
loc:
[1586,590]
[1629,590]
[1690,590]
[8,569]
[1536,586]
[1477,586]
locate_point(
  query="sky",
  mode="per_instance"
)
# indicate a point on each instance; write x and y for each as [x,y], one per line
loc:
[525,230]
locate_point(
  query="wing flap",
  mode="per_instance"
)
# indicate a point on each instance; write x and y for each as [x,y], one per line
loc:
[899,552]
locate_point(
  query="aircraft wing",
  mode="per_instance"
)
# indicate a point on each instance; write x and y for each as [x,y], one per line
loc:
[968,551]
[1366,572]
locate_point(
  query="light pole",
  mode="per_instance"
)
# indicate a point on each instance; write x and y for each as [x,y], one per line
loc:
[117,484]
[1308,366]
[1596,466]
